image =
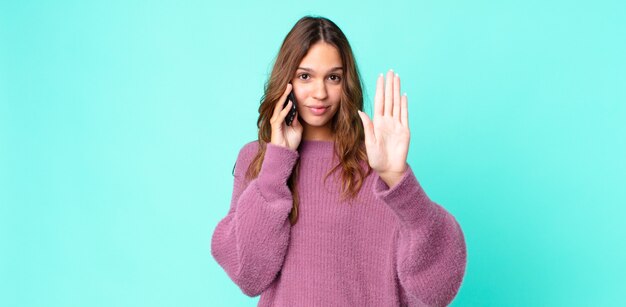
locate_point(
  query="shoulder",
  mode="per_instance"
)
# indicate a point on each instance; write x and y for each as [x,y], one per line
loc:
[244,158]
[248,150]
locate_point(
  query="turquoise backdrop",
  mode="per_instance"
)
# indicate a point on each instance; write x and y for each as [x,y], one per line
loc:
[120,122]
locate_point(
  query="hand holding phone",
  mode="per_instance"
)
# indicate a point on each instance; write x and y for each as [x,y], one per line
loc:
[292,112]
[285,122]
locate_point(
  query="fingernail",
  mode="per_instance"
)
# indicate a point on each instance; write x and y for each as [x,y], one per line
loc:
[404,93]
[397,75]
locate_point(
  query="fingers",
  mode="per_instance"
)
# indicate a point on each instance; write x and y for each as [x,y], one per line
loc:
[279,104]
[396,97]
[404,111]
[285,111]
[295,123]
[388,93]
[379,98]
[388,100]
[368,127]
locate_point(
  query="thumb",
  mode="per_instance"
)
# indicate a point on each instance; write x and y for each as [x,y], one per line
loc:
[367,126]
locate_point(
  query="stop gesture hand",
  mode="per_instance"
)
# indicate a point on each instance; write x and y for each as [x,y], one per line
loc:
[387,138]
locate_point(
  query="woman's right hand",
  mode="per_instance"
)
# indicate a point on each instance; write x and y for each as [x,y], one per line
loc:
[283,135]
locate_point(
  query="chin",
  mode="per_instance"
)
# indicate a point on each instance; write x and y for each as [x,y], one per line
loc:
[317,123]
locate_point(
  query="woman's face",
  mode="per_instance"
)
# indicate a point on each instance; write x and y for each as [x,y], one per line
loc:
[317,86]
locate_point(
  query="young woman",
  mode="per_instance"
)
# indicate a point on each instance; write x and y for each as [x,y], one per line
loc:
[326,211]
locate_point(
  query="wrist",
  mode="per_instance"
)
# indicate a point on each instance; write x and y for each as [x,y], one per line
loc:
[391,178]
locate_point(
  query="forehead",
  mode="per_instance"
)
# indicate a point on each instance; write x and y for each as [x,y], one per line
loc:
[321,57]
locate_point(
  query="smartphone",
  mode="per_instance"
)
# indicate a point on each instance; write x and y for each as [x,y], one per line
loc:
[292,112]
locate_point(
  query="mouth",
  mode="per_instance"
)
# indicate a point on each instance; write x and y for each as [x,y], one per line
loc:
[318,110]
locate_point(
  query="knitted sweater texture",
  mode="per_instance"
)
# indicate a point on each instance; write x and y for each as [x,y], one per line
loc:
[390,247]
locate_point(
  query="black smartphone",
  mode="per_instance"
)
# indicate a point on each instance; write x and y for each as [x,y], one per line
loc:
[292,112]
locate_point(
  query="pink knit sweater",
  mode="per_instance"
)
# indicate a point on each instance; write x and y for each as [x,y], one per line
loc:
[392,247]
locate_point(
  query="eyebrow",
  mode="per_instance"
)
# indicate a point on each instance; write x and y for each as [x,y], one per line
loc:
[309,69]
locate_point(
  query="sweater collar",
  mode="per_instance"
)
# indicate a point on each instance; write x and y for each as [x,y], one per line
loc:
[316,148]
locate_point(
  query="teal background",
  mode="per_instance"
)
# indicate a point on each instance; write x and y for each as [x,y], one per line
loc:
[120,123]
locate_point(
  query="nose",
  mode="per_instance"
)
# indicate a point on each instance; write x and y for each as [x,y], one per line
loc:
[319,92]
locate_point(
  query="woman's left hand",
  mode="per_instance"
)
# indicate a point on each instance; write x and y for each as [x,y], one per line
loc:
[387,138]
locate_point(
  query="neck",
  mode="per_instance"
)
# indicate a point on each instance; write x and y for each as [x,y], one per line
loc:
[312,133]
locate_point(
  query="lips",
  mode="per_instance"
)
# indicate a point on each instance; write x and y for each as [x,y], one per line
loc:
[318,110]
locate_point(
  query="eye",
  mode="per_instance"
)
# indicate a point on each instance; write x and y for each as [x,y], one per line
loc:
[302,75]
[335,77]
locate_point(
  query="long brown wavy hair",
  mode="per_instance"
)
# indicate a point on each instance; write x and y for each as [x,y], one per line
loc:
[346,125]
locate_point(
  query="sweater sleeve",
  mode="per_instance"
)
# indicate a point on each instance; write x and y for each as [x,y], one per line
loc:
[251,241]
[430,251]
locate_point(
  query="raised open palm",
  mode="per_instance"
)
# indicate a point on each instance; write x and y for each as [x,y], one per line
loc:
[387,137]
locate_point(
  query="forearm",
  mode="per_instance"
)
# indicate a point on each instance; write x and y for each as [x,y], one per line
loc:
[251,241]
[431,252]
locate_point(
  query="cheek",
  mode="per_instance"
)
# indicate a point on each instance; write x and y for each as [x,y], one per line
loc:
[336,102]
[336,96]
[301,94]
